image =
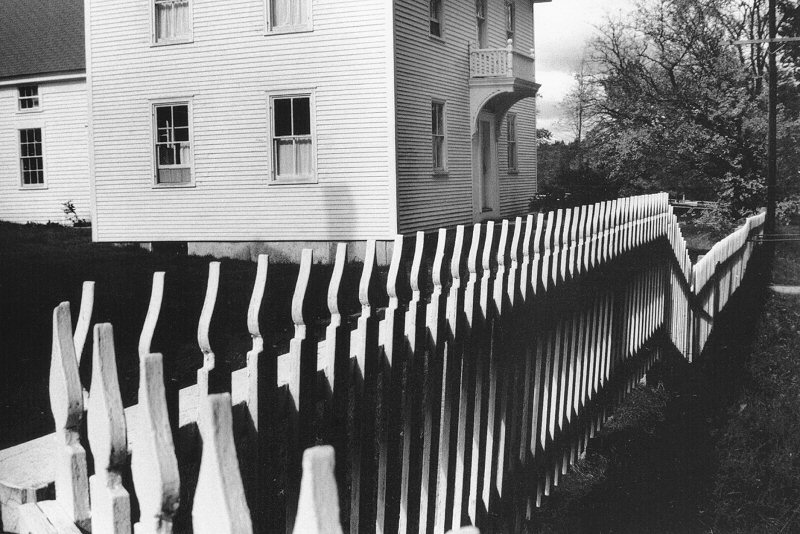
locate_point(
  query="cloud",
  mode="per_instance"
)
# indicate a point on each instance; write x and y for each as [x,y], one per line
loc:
[563,29]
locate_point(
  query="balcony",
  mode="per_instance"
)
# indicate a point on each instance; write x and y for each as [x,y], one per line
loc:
[499,78]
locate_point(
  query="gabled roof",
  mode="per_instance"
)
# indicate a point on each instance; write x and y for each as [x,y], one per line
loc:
[40,37]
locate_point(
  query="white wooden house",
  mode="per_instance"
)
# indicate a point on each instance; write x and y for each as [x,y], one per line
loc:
[231,125]
[44,159]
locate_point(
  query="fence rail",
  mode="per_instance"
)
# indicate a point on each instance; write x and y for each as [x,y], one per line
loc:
[461,404]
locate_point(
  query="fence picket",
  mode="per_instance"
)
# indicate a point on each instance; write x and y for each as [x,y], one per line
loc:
[111,509]
[318,507]
[154,465]
[219,505]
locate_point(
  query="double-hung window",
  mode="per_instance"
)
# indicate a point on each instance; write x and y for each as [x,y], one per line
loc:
[480,15]
[288,15]
[292,136]
[511,134]
[28,97]
[436,17]
[172,21]
[510,16]
[31,157]
[173,143]
[438,137]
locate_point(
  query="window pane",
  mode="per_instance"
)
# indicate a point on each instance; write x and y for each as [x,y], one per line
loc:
[164,117]
[181,134]
[173,19]
[302,116]
[166,155]
[180,116]
[282,110]
[438,152]
[284,157]
[304,155]
[288,13]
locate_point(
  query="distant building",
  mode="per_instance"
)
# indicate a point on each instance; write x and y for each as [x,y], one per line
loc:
[44,153]
[239,125]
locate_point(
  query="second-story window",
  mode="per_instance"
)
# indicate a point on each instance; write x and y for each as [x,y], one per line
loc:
[172,21]
[438,137]
[28,97]
[510,22]
[436,17]
[511,125]
[480,14]
[288,15]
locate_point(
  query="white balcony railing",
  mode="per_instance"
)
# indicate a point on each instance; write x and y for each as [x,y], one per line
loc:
[505,62]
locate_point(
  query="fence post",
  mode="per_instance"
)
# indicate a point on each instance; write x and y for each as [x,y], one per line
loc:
[153,463]
[111,509]
[66,403]
[414,322]
[318,506]
[219,506]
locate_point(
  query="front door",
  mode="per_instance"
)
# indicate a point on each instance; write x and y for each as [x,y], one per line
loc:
[484,170]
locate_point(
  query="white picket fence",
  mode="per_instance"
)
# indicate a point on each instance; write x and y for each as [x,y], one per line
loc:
[459,406]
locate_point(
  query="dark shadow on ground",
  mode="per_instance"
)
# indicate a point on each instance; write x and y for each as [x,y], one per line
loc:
[651,469]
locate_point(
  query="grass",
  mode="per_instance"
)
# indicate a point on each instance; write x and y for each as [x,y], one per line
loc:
[41,266]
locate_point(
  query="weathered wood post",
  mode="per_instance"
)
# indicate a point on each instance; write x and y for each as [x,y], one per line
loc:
[66,402]
[219,506]
[318,507]
[111,508]
[153,463]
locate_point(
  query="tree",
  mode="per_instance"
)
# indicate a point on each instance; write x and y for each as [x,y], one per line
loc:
[677,106]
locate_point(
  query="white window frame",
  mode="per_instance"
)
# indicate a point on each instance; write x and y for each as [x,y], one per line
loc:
[37,97]
[442,168]
[271,29]
[440,20]
[155,41]
[512,143]
[154,139]
[22,184]
[274,179]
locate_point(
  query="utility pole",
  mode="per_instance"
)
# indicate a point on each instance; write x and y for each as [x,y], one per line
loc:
[772,128]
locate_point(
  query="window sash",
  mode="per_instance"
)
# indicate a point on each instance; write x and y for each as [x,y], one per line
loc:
[511,132]
[288,14]
[31,157]
[173,146]
[28,97]
[436,17]
[510,16]
[172,20]
[438,139]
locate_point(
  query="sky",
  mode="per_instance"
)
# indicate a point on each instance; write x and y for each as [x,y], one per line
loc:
[563,27]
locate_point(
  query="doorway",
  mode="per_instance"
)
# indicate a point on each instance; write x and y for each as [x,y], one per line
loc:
[484,170]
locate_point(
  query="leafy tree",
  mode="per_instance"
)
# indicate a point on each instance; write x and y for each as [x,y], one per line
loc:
[678,107]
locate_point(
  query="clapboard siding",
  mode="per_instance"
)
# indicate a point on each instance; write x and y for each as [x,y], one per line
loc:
[227,72]
[517,189]
[432,69]
[62,117]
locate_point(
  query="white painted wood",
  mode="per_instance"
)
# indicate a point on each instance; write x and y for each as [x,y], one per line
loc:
[219,504]
[111,508]
[153,311]
[62,117]
[84,318]
[253,355]
[154,465]
[318,507]
[66,403]
[203,326]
